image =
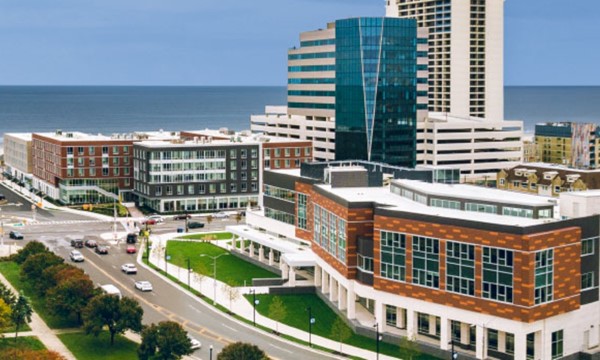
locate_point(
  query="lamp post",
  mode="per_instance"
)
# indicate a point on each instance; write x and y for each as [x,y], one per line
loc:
[311,320]
[214,258]
[454,353]
[377,339]
[210,352]
[255,302]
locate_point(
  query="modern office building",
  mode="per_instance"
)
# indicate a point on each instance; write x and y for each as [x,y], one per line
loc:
[210,170]
[437,263]
[466,52]
[570,144]
[547,179]
[357,89]
[18,158]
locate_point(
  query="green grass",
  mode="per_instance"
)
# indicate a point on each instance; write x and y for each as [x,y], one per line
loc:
[230,269]
[297,317]
[209,236]
[11,329]
[89,347]
[23,342]
[11,272]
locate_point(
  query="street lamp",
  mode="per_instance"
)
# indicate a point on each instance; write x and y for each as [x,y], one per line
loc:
[311,320]
[255,302]
[210,352]
[214,258]
[378,338]
[454,353]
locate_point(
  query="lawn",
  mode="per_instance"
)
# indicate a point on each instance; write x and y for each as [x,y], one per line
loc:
[11,272]
[230,269]
[23,342]
[297,316]
[209,236]
[89,347]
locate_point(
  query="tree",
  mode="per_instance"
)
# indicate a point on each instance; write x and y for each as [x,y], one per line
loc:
[5,311]
[7,295]
[71,295]
[33,268]
[277,311]
[409,347]
[32,248]
[49,277]
[20,313]
[238,217]
[165,341]
[340,331]
[240,350]
[113,312]
[232,293]
[209,219]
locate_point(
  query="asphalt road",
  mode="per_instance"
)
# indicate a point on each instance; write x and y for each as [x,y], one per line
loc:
[166,301]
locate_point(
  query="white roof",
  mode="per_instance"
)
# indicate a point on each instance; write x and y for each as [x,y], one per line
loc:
[587,193]
[268,240]
[76,136]
[473,192]
[383,196]
[21,136]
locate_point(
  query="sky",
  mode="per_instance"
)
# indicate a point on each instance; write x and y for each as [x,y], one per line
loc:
[234,42]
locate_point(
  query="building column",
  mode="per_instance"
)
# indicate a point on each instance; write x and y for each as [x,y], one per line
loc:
[380,314]
[400,318]
[332,289]
[543,345]
[318,276]
[445,333]
[465,333]
[501,341]
[480,339]
[432,324]
[342,297]
[292,279]
[351,304]
[411,324]
[324,282]
[261,253]
[520,346]
[271,257]
[251,254]
[284,270]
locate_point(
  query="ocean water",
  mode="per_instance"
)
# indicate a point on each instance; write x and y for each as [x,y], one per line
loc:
[119,109]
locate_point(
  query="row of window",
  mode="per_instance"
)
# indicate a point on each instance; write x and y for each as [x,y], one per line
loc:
[92,150]
[287,152]
[201,189]
[280,193]
[330,232]
[280,216]
[179,154]
[92,172]
[92,162]
[318,55]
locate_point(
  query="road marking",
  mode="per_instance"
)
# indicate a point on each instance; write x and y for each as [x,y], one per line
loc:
[230,328]
[278,348]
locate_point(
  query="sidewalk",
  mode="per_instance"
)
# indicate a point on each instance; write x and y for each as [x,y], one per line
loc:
[209,288]
[39,328]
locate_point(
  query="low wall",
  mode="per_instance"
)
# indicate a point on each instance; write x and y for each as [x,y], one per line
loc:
[288,290]
[255,262]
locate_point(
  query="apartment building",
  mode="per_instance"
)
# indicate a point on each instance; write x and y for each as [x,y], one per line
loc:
[18,157]
[356,89]
[567,143]
[438,263]
[466,52]
[210,170]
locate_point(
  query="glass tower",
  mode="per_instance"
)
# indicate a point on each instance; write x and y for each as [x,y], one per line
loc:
[376,90]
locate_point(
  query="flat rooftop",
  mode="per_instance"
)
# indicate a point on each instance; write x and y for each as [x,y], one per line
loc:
[73,136]
[555,167]
[242,136]
[383,196]
[473,192]
[449,118]
[20,136]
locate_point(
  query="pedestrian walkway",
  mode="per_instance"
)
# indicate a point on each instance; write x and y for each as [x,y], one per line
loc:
[65,222]
[39,328]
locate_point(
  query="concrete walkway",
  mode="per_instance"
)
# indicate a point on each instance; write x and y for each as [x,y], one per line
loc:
[39,328]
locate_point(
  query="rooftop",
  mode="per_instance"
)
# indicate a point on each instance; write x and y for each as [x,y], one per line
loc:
[449,118]
[556,167]
[21,136]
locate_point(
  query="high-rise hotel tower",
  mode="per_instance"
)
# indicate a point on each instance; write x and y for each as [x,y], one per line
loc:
[466,49]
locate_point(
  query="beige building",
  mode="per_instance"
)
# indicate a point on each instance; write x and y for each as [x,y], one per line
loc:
[18,156]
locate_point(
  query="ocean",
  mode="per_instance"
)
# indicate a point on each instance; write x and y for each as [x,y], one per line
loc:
[120,109]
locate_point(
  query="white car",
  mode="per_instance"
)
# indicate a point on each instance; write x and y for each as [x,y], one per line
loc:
[76,256]
[195,343]
[156,218]
[220,215]
[143,285]
[129,269]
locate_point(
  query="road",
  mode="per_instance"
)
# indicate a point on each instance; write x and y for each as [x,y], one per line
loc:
[166,301]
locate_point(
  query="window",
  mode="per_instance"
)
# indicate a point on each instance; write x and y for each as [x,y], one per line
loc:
[280,216]
[557,344]
[365,263]
[460,268]
[233,187]
[92,162]
[116,171]
[233,153]
[498,274]
[519,212]
[126,149]
[587,280]
[493,339]
[331,235]
[115,150]
[485,208]
[254,153]
[104,171]
[158,191]
[449,204]
[544,276]
[302,201]
[169,190]
[80,150]
[510,343]
[297,152]
[81,172]
[391,315]
[393,255]
[277,152]
[92,150]
[70,150]
[105,150]
[233,164]
[191,189]
[287,152]
[426,261]
[587,246]
[222,188]
[92,172]
[243,153]
[115,161]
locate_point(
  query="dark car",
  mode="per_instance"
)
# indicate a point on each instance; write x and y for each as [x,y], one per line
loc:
[195,225]
[15,235]
[101,249]
[131,238]
[77,243]
[182,217]
[91,243]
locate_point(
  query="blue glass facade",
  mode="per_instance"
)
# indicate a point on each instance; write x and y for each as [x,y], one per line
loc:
[376,90]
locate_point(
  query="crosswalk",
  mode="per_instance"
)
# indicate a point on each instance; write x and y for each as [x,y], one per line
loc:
[66,222]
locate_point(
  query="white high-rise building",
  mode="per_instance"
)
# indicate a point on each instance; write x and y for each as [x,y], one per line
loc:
[466,49]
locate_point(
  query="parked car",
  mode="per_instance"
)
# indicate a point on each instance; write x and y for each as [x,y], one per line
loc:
[130,249]
[220,215]
[149,221]
[15,235]
[143,285]
[129,269]
[91,243]
[195,343]
[156,217]
[101,249]
[76,256]
[182,217]
[77,243]
[195,225]
[131,238]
